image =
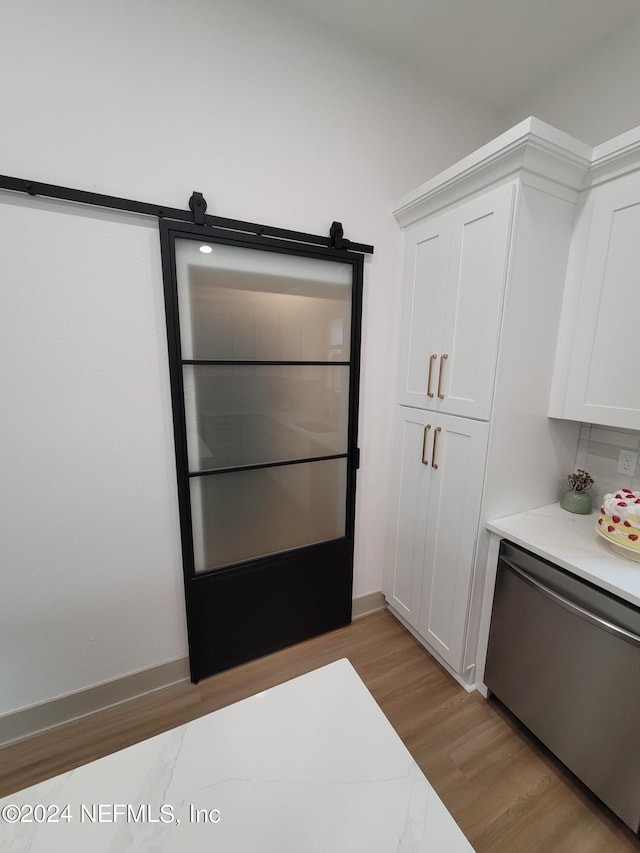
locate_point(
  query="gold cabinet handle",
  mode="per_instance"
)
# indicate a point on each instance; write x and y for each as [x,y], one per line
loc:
[434,464]
[424,443]
[442,358]
[431,360]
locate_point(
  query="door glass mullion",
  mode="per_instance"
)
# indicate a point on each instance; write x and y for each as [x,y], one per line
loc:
[261,362]
[212,472]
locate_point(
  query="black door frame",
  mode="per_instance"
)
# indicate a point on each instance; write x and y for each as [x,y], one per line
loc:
[245,610]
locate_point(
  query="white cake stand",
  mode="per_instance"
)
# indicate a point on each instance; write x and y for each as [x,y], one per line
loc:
[622,550]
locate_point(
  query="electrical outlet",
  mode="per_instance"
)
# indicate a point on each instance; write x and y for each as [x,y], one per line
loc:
[627,461]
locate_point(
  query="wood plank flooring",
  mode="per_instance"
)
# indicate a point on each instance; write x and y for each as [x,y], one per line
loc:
[507,793]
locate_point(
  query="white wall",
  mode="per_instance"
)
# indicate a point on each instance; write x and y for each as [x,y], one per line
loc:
[275,120]
[594,99]
[90,550]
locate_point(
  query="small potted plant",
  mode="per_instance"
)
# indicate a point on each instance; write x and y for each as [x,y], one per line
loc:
[576,499]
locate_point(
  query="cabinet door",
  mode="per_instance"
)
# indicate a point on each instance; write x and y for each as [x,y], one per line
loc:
[413,434]
[604,385]
[457,460]
[426,259]
[453,281]
[479,247]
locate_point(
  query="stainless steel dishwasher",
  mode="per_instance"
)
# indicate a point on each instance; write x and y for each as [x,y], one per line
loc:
[564,657]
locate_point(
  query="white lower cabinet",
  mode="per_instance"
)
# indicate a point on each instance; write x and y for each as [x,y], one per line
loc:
[439,467]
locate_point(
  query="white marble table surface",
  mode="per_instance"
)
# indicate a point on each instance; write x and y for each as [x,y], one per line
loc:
[310,766]
[570,541]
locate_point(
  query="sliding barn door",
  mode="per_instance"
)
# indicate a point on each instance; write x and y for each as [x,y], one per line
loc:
[264,357]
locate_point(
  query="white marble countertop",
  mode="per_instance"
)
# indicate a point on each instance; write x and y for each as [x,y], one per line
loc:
[570,541]
[310,766]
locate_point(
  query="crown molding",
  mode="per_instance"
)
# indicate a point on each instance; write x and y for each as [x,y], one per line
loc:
[536,152]
[531,148]
[615,158]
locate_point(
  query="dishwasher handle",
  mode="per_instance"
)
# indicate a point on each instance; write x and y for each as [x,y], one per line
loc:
[604,624]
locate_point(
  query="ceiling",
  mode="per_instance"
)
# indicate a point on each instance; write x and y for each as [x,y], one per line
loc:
[494,51]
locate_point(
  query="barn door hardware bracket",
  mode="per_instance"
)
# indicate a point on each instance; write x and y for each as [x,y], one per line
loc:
[336,235]
[198,207]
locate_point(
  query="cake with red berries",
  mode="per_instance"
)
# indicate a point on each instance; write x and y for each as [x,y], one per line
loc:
[619,519]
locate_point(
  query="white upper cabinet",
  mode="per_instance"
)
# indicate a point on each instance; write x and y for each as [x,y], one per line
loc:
[453,281]
[426,265]
[597,367]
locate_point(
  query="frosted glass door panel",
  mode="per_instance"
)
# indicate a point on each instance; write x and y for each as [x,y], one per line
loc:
[240,304]
[256,414]
[247,514]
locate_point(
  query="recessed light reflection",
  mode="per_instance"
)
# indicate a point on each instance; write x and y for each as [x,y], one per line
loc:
[206,250]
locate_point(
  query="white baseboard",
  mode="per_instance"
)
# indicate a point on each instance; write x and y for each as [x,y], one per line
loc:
[366,604]
[35,719]
[18,725]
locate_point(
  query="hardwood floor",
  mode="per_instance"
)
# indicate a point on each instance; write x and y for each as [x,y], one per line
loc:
[505,791]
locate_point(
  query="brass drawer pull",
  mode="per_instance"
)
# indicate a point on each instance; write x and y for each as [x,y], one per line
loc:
[431,360]
[440,394]
[424,443]
[434,464]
